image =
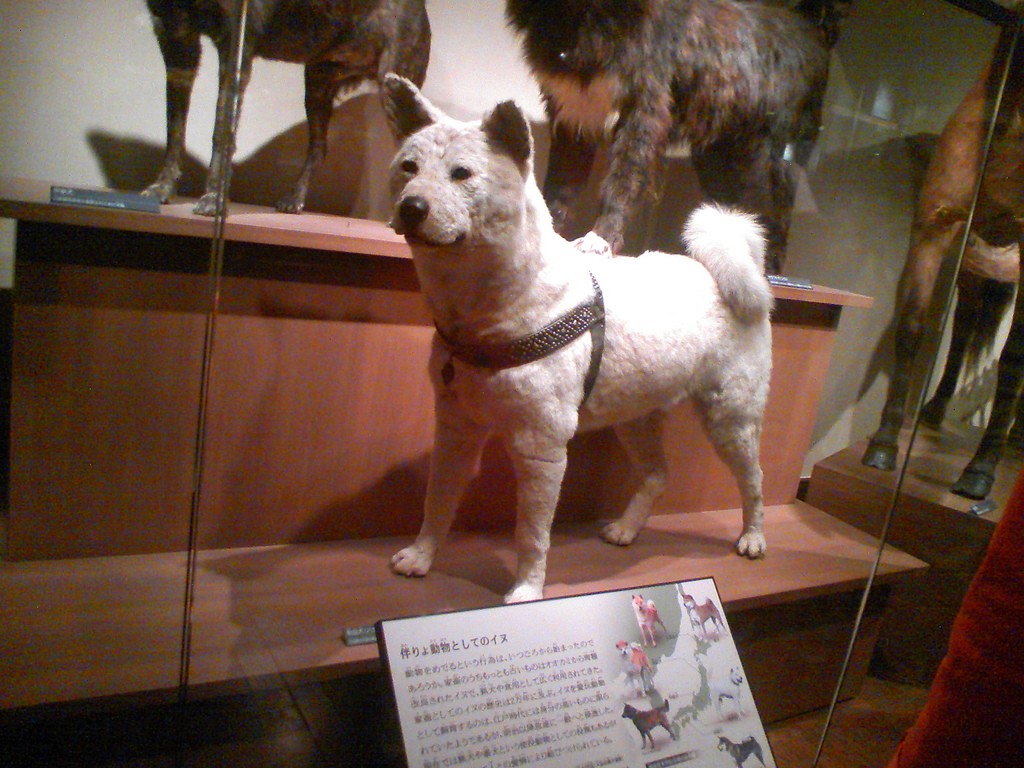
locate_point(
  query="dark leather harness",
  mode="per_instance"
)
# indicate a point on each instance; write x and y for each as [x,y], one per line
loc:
[588,316]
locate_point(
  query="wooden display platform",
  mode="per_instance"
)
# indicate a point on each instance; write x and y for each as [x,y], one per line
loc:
[320,415]
[930,523]
[281,611]
[319,423]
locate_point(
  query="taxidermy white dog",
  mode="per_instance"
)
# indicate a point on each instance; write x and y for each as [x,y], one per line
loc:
[537,341]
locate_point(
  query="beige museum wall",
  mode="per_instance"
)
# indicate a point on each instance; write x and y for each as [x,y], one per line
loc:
[81,102]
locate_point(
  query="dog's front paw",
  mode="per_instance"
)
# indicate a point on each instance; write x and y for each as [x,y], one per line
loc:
[593,244]
[159,190]
[412,561]
[752,544]
[619,534]
[524,593]
[293,203]
[206,205]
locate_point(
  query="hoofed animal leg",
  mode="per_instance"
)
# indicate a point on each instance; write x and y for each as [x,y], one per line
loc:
[965,322]
[981,305]
[939,219]
[979,475]
[642,441]
[913,297]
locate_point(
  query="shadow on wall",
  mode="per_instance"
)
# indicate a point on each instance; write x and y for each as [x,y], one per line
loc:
[352,181]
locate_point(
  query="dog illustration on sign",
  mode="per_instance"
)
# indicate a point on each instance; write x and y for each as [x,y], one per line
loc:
[729,690]
[536,341]
[701,614]
[647,618]
[636,667]
[647,720]
[740,752]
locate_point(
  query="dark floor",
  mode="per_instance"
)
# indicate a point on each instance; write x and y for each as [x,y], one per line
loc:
[347,722]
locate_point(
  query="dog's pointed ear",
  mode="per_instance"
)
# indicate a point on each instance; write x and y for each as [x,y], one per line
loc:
[406,108]
[507,129]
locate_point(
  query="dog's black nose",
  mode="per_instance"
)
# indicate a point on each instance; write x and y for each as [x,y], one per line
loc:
[412,211]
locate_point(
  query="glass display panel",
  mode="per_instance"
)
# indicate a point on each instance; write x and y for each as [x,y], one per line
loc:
[220,427]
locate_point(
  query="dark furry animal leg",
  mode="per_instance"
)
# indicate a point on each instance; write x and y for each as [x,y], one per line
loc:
[736,81]
[219,177]
[323,82]
[341,45]
[570,160]
[640,138]
[180,47]
[752,176]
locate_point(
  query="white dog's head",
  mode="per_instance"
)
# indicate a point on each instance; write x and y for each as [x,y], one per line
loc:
[456,183]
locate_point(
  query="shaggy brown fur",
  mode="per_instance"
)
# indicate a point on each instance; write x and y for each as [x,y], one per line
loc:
[342,44]
[738,81]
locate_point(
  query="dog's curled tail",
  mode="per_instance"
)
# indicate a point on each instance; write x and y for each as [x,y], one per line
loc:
[731,245]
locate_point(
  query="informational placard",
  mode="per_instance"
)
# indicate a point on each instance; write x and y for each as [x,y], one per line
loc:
[640,678]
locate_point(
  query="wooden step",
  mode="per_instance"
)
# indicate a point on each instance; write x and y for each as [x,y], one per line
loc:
[931,522]
[111,626]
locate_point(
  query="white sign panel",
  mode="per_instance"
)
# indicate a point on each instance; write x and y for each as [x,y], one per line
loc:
[644,678]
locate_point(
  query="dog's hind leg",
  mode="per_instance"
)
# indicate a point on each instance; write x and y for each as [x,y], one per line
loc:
[642,441]
[736,437]
[324,80]
[458,443]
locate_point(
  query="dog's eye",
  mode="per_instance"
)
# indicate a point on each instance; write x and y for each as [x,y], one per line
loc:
[461,173]
[409,166]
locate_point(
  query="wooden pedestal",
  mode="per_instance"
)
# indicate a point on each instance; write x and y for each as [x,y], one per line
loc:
[310,358]
[929,523]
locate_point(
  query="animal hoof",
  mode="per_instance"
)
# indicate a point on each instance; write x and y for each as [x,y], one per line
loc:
[933,413]
[880,456]
[752,545]
[973,484]
[411,561]
[206,206]
[616,533]
[524,593]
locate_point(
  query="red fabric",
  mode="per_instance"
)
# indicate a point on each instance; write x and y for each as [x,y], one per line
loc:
[974,714]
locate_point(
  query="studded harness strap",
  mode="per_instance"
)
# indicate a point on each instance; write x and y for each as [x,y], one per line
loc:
[588,316]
